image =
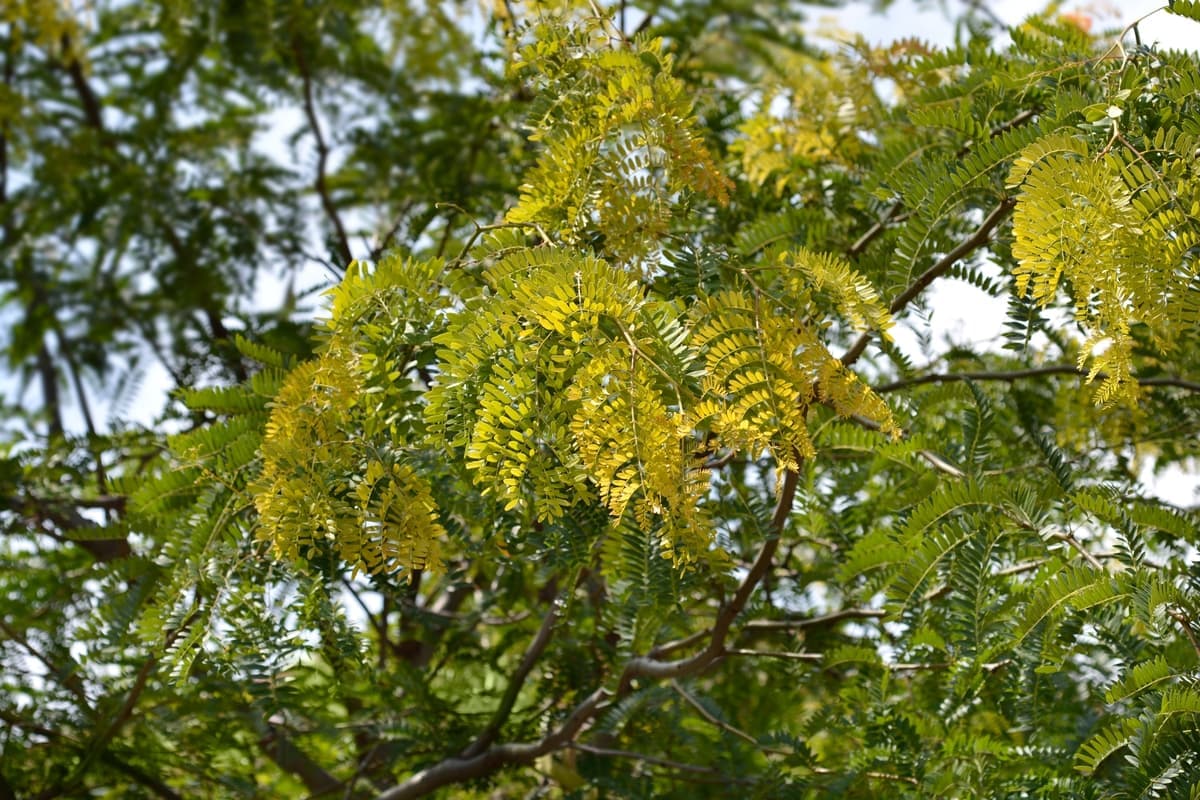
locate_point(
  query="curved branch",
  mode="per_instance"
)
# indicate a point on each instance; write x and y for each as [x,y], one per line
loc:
[322,187]
[893,213]
[647,667]
[457,770]
[1032,372]
[464,768]
[964,248]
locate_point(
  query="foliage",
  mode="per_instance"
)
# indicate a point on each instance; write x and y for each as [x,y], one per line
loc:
[605,469]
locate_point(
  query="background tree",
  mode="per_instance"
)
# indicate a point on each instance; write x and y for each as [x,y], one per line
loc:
[600,473]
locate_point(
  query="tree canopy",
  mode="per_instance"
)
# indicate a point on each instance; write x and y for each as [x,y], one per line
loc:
[593,464]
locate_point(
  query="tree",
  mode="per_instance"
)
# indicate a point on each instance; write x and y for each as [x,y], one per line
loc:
[600,473]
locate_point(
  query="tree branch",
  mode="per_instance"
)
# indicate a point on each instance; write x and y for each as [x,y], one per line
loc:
[322,187]
[964,248]
[49,380]
[893,214]
[66,675]
[647,667]
[1019,374]
[462,768]
[457,770]
[1185,623]
[775,654]
[823,621]
[658,762]
[722,724]
[87,95]
[276,745]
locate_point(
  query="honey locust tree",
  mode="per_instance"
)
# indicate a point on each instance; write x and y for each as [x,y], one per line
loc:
[615,482]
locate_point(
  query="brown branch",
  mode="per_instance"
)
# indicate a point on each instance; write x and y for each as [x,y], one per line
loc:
[145,779]
[989,667]
[49,380]
[386,240]
[883,776]
[1019,374]
[1185,623]
[964,248]
[1069,538]
[66,675]
[322,187]
[679,644]
[87,95]
[983,9]
[14,721]
[68,353]
[457,770]
[775,654]
[67,517]
[893,214]
[276,745]
[816,622]
[644,666]
[98,744]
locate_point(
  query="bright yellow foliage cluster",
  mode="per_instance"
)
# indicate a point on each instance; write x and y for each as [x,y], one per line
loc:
[327,487]
[558,380]
[1114,229]
[566,382]
[619,140]
[809,115]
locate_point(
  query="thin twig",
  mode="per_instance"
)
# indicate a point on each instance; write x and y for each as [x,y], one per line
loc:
[883,776]
[679,644]
[893,213]
[964,248]
[825,620]
[860,244]
[655,760]
[310,111]
[1019,374]
[783,654]
[988,667]
[723,725]
[1185,622]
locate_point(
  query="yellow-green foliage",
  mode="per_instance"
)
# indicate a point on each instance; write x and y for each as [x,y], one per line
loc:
[619,140]
[333,479]
[50,24]
[640,452]
[808,116]
[559,380]
[1114,229]
[565,377]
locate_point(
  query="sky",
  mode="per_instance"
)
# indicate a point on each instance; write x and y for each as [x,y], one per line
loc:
[928,20]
